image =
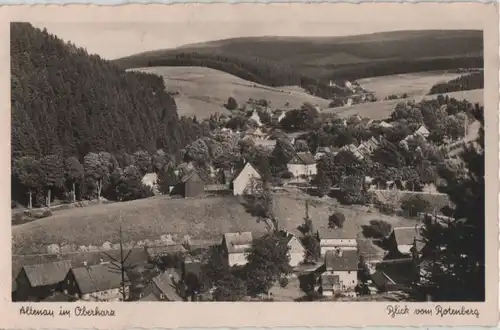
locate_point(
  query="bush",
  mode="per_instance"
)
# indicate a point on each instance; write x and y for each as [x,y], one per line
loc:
[377,229]
[415,205]
[283,282]
[231,104]
[336,220]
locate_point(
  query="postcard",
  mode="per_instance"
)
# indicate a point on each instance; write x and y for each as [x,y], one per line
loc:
[250,165]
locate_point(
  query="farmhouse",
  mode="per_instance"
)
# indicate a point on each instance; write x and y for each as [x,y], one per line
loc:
[302,165]
[37,282]
[234,245]
[407,237]
[244,179]
[333,239]
[163,288]
[341,270]
[191,184]
[369,146]
[296,249]
[353,150]
[96,283]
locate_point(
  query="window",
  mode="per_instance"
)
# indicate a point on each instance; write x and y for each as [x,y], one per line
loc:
[162,296]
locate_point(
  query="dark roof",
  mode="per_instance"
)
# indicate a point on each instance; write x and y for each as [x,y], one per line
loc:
[161,250]
[305,158]
[47,273]
[334,233]
[98,278]
[165,284]
[342,260]
[238,242]
[193,267]
[406,235]
[380,280]
[188,175]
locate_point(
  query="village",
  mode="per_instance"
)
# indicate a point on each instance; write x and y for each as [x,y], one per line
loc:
[346,265]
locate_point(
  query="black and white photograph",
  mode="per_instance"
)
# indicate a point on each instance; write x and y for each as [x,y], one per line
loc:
[243,162]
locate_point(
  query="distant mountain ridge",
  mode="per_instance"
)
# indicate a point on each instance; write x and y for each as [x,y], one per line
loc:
[311,62]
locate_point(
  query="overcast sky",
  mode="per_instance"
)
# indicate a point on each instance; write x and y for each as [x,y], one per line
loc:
[116,39]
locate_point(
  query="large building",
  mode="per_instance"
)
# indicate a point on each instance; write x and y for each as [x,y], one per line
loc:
[341,270]
[302,165]
[333,239]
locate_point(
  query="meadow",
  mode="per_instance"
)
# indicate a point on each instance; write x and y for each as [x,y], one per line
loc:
[204,91]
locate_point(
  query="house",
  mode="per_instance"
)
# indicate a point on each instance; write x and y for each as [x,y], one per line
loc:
[353,149]
[235,245]
[37,282]
[296,250]
[329,284]
[255,117]
[101,282]
[150,180]
[163,287]
[268,144]
[155,252]
[302,165]
[345,265]
[385,124]
[333,239]
[256,134]
[191,184]
[244,179]
[407,237]
[423,132]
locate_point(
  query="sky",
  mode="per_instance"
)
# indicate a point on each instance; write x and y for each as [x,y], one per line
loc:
[117,39]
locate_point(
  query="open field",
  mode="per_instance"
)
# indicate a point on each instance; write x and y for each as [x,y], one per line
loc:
[413,84]
[142,219]
[204,218]
[204,91]
[383,109]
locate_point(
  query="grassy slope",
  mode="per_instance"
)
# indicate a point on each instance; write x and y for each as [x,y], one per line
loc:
[413,84]
[204,91]
[322,57]
[383,109]
[200,218]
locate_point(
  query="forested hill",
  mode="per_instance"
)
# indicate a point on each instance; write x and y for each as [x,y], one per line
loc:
[67,102]
[313,61]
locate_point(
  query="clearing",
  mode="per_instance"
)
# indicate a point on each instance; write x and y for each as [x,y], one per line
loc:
[204,91]
[413,84]
[382,109]
[203,218]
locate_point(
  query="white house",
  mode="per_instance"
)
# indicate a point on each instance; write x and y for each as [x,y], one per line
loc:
[333,239]
[235,245]
[296,249]
[406,237]
[341,271]
[255,116]
[385,124]
[423,132]
[243,179]
[302,164]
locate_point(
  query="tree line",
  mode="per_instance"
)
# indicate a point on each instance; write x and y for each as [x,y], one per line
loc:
[463,83]
[69,103]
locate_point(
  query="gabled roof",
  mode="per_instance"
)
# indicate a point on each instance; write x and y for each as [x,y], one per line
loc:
[98,278]
[238,172]
[305,158]
[422,130]
[238,242]
[341,260]
[334,233]
[186,176]
[48,273]
[167,287]
[406,235]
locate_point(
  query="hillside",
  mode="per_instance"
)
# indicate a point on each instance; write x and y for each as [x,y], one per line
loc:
[66,101]
[463,83]
[381,110]
[349,57]
[203,91]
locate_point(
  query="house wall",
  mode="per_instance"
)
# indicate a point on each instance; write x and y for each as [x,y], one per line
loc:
[333,244]
[111,295]
[347,279]
[237,259]
[244,178]
[297,252]
[194,187]
[404,248]
[301,169]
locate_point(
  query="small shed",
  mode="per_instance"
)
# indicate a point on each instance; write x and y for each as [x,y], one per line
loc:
[191,184]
